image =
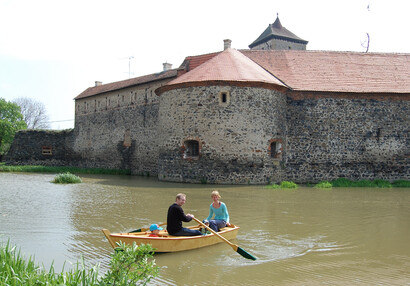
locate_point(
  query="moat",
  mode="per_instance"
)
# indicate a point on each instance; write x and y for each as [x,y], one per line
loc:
[307,236]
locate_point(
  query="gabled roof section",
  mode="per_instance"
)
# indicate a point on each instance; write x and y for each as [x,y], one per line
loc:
[229,67]
[192,62]
[329,71]
[277,31]
[127,83]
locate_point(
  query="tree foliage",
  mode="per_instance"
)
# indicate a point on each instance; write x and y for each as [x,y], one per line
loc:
[11,121]
[34,113]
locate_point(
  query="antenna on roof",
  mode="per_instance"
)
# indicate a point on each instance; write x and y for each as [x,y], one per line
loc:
[129,66]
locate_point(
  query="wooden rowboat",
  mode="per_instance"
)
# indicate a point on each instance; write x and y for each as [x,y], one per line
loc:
[170,243]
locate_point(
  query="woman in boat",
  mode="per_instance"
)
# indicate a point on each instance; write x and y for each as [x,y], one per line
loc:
[220,211]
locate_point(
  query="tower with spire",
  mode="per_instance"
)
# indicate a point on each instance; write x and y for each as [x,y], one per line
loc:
[277,37]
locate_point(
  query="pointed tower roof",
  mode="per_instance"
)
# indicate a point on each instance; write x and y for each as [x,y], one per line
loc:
[230,67]
[277,31]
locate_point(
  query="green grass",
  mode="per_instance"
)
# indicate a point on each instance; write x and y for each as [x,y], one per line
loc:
[66,178]
[62,169]
[401,184]
[343,182]
[133,264]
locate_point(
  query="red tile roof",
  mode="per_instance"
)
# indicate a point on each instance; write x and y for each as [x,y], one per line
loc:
[230,67]
[126,83]
[337,71]
[320,71]
[192,62]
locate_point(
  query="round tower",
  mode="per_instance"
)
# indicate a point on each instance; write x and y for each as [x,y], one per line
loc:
[222,122]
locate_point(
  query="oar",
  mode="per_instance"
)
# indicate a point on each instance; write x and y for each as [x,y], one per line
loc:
[234,246]
[145,229]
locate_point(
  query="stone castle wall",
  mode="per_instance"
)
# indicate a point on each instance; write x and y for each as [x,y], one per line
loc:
[42,147]
[234,136]
[119,129]
[334,136]
[320,137]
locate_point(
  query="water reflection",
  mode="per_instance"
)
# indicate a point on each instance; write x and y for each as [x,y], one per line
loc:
[306,236]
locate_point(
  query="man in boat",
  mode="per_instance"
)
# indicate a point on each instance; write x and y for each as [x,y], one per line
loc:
[176,216]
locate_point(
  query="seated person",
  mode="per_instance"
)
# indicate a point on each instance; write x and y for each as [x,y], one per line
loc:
[220,211]
[154,228]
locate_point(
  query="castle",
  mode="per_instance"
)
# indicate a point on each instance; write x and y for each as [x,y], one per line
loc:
[270,113]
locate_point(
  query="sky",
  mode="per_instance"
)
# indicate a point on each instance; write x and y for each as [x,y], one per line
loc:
[52,50]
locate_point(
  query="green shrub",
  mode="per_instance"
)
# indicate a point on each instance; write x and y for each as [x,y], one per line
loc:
[288,185]
[128,266]
[283,185]
[66,178]
[323,185]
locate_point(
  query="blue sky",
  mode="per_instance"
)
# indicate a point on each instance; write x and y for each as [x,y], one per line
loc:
[52,50]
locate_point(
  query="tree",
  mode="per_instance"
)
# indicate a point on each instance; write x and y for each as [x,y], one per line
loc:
[34,113]
[11,120]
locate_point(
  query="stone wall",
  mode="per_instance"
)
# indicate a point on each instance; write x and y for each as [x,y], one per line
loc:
[42,147]
[334,136]
[118,129]
[234,136]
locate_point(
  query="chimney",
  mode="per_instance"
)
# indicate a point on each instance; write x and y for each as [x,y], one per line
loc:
[227,44]
[98,83]
[167,66]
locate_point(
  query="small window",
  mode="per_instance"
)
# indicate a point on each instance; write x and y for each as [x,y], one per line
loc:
[46,150]
[191,149]
[275,149]
[224,98]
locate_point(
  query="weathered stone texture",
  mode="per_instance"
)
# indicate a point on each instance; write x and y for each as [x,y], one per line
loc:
[234,137]
[28,145]
[355,138]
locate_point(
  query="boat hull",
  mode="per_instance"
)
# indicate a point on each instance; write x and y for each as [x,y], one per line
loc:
[169,243]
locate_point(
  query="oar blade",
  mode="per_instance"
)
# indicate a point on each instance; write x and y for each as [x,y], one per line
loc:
[245,254]
[137,230]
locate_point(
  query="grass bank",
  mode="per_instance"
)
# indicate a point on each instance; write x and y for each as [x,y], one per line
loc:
[345,183]
[61,169]
[129,265]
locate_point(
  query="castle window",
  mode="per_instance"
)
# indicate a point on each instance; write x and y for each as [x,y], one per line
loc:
[46,150]
[191,149]
[224,98]
[275,148]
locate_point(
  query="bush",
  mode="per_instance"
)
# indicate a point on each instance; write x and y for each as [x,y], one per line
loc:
[283,185]
[128,266]
[323,185]
[66,178]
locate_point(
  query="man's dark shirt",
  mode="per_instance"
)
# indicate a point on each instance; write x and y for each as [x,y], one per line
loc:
[175,218]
